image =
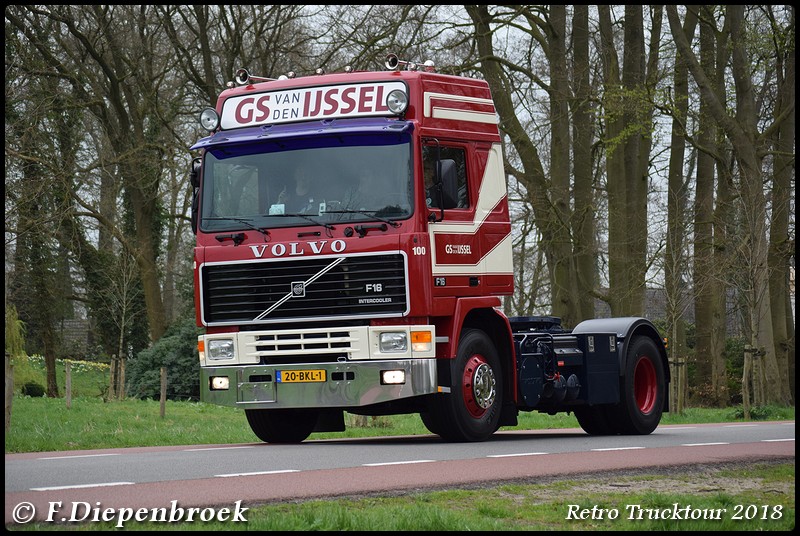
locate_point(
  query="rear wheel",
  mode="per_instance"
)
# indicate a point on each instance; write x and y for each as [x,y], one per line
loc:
[471,411]
[282,425]
[642,389]
[596,420]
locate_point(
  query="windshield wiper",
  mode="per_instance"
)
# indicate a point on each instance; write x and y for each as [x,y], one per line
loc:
[247,223]
[369,213]
[308,218]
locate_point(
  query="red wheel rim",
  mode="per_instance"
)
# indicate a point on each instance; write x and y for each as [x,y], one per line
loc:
[645,385]
[478,386]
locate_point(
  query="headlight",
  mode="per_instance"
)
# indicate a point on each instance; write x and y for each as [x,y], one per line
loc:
[220,349]
[220,383]
[393,377]
[397,101]
[209,119]
[394,342]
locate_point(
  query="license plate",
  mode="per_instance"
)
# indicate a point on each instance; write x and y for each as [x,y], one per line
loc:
[300,376]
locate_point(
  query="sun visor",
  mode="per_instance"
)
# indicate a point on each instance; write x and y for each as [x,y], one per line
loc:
[306,129]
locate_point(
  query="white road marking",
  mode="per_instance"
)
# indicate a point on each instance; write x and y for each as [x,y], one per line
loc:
[617,448]
[260,473]
[518,454]
[76,456]
[395,463]
[83,486]
[217,448]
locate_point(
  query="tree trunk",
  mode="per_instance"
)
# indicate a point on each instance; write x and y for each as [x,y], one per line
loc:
[704,270]
[613,107]
[755,210]
[781,245]
[641,85]
[583,217]
[677,202]
[564,284]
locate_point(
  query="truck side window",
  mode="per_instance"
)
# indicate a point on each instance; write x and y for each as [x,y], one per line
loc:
[458,155]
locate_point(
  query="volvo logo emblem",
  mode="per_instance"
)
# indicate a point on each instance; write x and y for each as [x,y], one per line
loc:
[298,289]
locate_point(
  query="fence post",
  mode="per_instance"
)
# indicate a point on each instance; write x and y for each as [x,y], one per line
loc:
[163,391]
[68,383]
[9,390]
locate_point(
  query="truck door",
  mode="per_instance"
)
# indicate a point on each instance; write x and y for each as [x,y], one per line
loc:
[470,234]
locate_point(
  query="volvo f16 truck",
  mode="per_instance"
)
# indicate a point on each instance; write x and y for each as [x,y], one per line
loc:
[353,248]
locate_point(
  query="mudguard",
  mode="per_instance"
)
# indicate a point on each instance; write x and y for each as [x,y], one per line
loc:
[625,329]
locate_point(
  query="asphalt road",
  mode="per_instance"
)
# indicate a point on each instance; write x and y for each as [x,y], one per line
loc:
[51,486]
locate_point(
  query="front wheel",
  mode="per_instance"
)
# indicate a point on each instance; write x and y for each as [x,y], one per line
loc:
[282,425]
[642,389]
[471,411]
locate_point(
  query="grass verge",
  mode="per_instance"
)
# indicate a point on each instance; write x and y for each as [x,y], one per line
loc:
[45,424]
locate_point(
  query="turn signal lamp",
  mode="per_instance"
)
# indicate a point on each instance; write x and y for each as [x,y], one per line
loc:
[421,341]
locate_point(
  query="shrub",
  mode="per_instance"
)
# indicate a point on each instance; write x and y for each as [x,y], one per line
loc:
[177,351]
[33,389]
[758,413]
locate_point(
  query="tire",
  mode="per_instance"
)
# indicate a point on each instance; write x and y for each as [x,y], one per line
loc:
[282,425]
[641,389]
[471,411]
[430,422]
[595,420]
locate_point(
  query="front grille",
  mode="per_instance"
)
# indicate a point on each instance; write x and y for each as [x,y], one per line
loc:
[320,345]
[320,287]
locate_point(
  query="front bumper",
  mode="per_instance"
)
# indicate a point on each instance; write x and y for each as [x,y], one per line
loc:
[347,384]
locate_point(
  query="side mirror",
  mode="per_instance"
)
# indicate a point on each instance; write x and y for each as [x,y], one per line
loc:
[195,203]
[194,179]
[194,173]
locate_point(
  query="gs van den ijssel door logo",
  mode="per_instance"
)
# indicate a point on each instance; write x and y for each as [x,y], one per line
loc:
[298,289]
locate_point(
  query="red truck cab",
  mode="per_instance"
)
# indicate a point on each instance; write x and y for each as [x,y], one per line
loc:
[353,243]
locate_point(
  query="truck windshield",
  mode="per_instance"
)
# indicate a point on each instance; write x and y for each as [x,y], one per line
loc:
[307,182]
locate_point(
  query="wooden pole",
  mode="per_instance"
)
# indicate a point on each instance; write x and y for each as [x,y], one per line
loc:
[746,374]
[112,380]
[9,390]
[163,391]
[121,376]
[68,383]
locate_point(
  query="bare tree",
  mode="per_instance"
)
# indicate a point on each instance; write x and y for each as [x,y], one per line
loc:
[677,200]
[628,127]
[748,141]
[40,149]
[781,239]
[707,284]
[550,195]
[584,226]
[120,302]
[114,60]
